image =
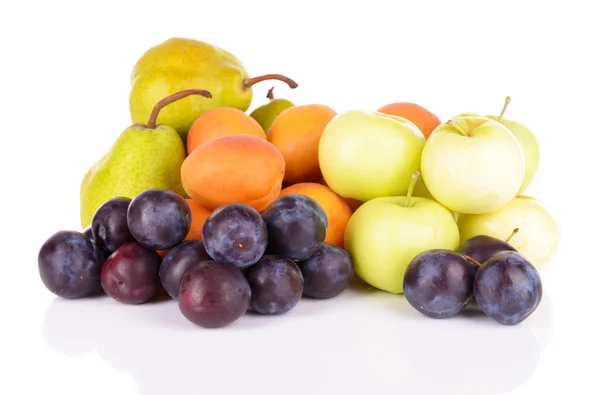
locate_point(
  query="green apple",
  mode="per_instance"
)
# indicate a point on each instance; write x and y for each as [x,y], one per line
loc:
[364,155]
[538,236]
[386,233]
[528,142]
[472,165]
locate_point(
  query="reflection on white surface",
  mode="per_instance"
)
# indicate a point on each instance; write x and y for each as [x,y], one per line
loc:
[361,342]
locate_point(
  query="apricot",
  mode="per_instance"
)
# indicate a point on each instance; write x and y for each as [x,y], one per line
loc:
[337,210]
[354,204]
[219,122]
[233,169]
[199,216]
[296,133]
[425,120]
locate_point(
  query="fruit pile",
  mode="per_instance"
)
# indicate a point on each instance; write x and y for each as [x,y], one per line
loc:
[245,259]
[228,211]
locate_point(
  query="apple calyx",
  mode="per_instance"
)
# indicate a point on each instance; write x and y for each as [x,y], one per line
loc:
[458,128]
[468,258]
[171,99]
[411,187]
[247,84]
[270,93]
[506,103]
[514,232]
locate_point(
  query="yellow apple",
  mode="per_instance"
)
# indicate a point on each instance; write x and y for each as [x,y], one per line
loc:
[472,165]
[538,236]
[386,233]
[528,142]
[526,138]
[365,155]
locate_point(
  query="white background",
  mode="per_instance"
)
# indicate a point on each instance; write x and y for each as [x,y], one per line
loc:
[64,84]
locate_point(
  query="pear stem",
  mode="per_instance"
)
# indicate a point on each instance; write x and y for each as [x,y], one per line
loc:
[173,98]
[251,81]
[270,93]
[468,258]
[411,187]
[455,126]
[514,232]
[506,103]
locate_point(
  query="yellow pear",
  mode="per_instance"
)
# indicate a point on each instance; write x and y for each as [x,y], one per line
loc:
[182,63]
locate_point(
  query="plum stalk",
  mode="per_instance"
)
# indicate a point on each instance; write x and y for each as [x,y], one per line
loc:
[514,232]
[468,258]
[173,98]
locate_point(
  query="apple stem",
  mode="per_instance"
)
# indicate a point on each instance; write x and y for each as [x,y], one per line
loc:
[506,103]
[251,81]
[173,98]
[514,232]
[270,93]
[468,258]
[455,126]
[411,187]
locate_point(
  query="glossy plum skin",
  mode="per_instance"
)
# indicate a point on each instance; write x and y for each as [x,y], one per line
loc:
[276,284]
[297,226]
[327,273]
[508,288]
[213,294]
[439,283]
[177,261]
[101,253]
[235,233]
[109,224]
[69,266]
[159,219]
[130,274]
[482,247]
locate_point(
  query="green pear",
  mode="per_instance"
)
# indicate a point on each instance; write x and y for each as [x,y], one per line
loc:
[183,63]
[266,114]
[143,157]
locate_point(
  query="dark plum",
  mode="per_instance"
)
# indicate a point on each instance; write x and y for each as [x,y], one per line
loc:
[327,273]
[101,253]
[483,247]
[177,261]
[235,233]
[508,287]
[439,283]
[69,266]
[276,283]
[109,224]
[159,219]
[213,294]
[130,274]
[296,225]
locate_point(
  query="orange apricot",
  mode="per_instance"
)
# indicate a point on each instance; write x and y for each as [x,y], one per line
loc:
[199,216]
[219,122]
[354,204]
[337,210]
[296,133]
[425,120]
[233,169]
